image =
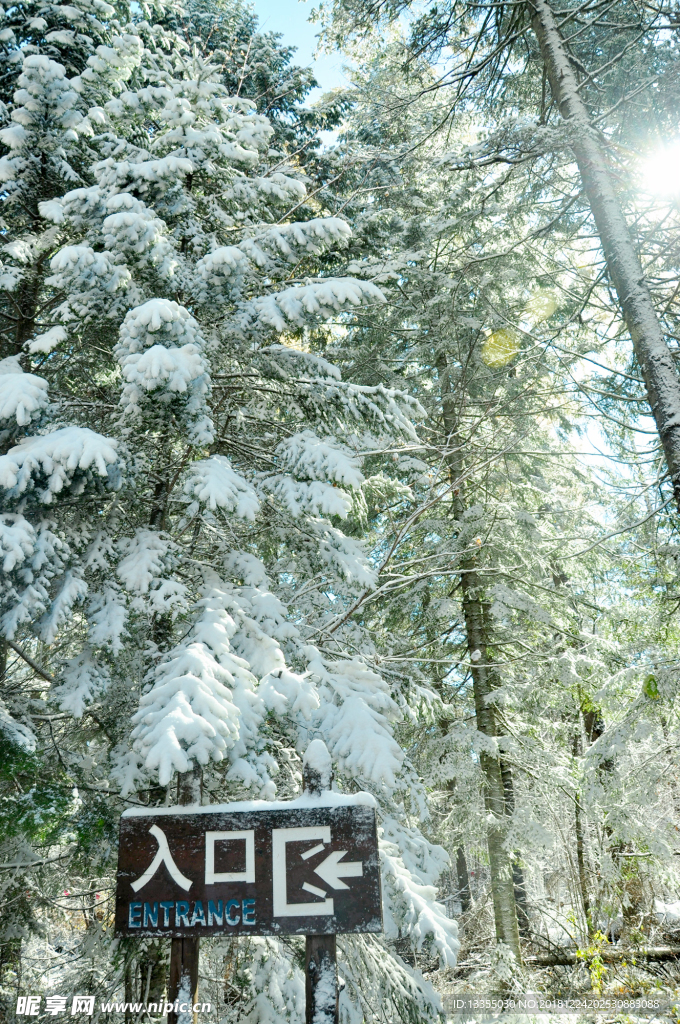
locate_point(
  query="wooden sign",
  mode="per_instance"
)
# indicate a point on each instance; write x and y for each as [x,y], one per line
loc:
[296,868]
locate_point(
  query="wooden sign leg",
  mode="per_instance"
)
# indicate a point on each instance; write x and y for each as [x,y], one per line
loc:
[183,987]
[321,980]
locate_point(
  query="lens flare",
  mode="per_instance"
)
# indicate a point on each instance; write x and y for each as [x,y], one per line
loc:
[661,171]
[500,347]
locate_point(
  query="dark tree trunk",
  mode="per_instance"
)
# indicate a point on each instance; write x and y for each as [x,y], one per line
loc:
[463,880]
[518,881]
[581,853]
[483,685]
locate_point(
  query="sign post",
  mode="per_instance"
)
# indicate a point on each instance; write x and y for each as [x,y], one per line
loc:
[303,867]
[184,951]
[321,954]
[321,980]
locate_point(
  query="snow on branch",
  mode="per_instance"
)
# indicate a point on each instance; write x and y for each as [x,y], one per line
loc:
[317,497]
[295,306]
[294,240]
[72,591]
[188,716]
[18,734]
[80,206]
[144,571]
[277,994]
[44,555]
[280,186]
[113,63]
[409,906]
[44,343]
[356,719]
[308,463]
[506,601]
[44,94]
[309,457]
[295,362]
[216,483]
[106,615]
[173,368]
[17,540]
[220,274]
[22,395]
[158,320]
[81,679]
[222,617]
[56,459]
[139,174]
[342,554]
[146,556]
[132,227]
[161,349]
[388,409]
[78,268]
[290,693]
[202,704]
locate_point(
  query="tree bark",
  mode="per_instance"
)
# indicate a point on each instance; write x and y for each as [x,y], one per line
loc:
[625,270]
[463,877]
[476,627]
[500,862]
[518,882]
[581,843]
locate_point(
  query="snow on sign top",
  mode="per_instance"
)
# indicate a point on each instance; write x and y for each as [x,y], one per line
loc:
[307,800]
[308,866]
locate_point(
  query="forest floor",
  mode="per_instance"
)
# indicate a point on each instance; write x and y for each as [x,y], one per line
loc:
[605,981]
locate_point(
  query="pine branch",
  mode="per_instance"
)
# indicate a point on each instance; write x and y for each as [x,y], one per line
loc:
[29,661]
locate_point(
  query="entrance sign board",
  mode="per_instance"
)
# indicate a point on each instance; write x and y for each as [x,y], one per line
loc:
[309,866]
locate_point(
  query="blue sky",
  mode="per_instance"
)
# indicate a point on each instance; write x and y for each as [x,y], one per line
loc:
[290,18]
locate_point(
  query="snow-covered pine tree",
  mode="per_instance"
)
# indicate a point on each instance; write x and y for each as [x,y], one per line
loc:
[176,468]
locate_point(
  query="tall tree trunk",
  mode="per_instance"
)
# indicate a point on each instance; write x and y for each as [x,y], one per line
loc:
[623,264]
[463,877]
[500,861]
[518,882]
[476,627]
[581,841]
[633,890]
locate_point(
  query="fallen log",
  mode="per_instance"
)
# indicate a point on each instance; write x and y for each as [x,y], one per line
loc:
[568,958]
[608,955]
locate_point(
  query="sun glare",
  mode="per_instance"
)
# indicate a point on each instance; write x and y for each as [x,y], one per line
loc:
[661,171]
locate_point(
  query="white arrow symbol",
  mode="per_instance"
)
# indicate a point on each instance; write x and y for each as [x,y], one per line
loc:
[332,871]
